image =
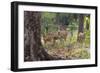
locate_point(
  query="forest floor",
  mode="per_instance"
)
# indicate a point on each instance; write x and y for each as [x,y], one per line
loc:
[70,54]
[69,49]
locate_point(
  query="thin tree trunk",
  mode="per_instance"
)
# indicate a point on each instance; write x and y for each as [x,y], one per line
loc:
[81,37]
[81,23]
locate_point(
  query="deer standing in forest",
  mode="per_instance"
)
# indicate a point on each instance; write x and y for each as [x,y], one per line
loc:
[54,36]
[81,37]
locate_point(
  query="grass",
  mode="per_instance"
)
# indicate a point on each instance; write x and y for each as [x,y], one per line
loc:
[78,54]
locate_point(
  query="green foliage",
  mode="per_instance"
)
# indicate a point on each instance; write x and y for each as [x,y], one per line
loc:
[47,22]
[86,21]
[50,22]
[47,18]
[62,18]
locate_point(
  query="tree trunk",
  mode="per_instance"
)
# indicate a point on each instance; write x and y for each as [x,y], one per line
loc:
[33,49]
[81,36]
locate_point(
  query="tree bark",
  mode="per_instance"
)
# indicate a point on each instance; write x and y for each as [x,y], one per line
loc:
[81,23]
[81,36]
[33,49]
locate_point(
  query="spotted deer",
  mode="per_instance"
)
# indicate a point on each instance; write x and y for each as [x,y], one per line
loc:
[53,36]
[81,37]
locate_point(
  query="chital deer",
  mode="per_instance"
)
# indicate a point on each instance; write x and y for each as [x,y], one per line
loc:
[46,38]
[53,36]
[81,37]
[62,34]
